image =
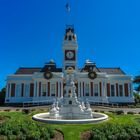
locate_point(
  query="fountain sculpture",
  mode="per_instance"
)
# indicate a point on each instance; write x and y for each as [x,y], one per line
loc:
[68,109]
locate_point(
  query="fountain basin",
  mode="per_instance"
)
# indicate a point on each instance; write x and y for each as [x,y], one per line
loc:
[45,118]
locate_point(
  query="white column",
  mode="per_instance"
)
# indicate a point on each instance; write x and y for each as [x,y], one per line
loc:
[19,90]
[62,88]
[78,89]
[81,89]
[40,89]
[58,89]
[34,89]
[123,90]
[7,90]
[115,94]
[46,89]
[10,91]
[37,93]
[89,88]
[103,89]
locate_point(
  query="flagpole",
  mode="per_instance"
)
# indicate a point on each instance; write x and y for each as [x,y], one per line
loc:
[68,12]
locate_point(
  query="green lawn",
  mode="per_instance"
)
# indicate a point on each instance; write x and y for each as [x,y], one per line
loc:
[71,132]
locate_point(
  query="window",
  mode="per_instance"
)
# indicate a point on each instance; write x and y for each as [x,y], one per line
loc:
[112,90]
[53,89]
[95,89]
[22,89]
[70,38]
[31,89]
[44,89]
[120,90]
[13,85]
[87,89]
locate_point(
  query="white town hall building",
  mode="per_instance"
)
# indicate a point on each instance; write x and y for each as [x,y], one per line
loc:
[102,85]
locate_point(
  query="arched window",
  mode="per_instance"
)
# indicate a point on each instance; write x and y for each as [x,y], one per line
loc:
[70,38]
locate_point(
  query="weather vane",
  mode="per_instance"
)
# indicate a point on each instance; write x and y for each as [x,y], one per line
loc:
[68,7]
[68,11]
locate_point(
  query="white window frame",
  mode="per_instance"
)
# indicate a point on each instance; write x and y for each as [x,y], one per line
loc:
[111,91]
[53,89]
[26,90]
[96,89]
[44,89]
[119,90]
[87,89]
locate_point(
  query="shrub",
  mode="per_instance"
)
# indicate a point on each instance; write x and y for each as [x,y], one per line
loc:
[51,132]
[130,112]
[116,132]
[25,130]
[33,110]
[138,105]
[119,112]
[17,109]
[26,111]
[131,106]
[7,110]
[111,111]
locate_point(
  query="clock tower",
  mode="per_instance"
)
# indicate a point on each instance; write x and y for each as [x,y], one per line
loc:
[70,47]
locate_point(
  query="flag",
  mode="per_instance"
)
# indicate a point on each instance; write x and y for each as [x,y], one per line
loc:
[68,7]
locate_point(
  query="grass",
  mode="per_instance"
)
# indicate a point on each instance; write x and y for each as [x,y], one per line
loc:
[71,132]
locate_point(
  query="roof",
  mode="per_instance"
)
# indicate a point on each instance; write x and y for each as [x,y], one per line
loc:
[112,70]
[23,70]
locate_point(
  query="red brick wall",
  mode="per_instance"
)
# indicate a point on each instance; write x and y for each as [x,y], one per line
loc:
[100,89]
[31,90]
[126,89]
[13,87]
[91,85]
[117,89]
[108,89]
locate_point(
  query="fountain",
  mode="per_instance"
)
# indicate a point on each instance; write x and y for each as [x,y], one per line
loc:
[68,110]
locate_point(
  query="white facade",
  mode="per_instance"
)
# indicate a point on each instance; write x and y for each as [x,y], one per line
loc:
[110,85]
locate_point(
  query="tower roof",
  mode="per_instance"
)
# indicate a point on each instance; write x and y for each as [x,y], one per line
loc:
[69,33]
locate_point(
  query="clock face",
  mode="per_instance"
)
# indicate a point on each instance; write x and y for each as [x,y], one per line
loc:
[92,75]
[70,54]
[48,75]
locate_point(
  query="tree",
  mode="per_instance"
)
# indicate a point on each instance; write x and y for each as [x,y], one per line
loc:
[2,95]
[137,82]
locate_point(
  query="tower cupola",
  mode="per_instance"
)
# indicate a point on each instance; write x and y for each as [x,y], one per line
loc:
[69,34]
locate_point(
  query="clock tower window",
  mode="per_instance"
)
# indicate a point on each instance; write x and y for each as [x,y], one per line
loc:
[70,38]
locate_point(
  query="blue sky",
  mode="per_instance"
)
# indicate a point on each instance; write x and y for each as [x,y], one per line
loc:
[31,33]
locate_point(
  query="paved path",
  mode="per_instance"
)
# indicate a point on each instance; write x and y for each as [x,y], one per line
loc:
[100,108]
